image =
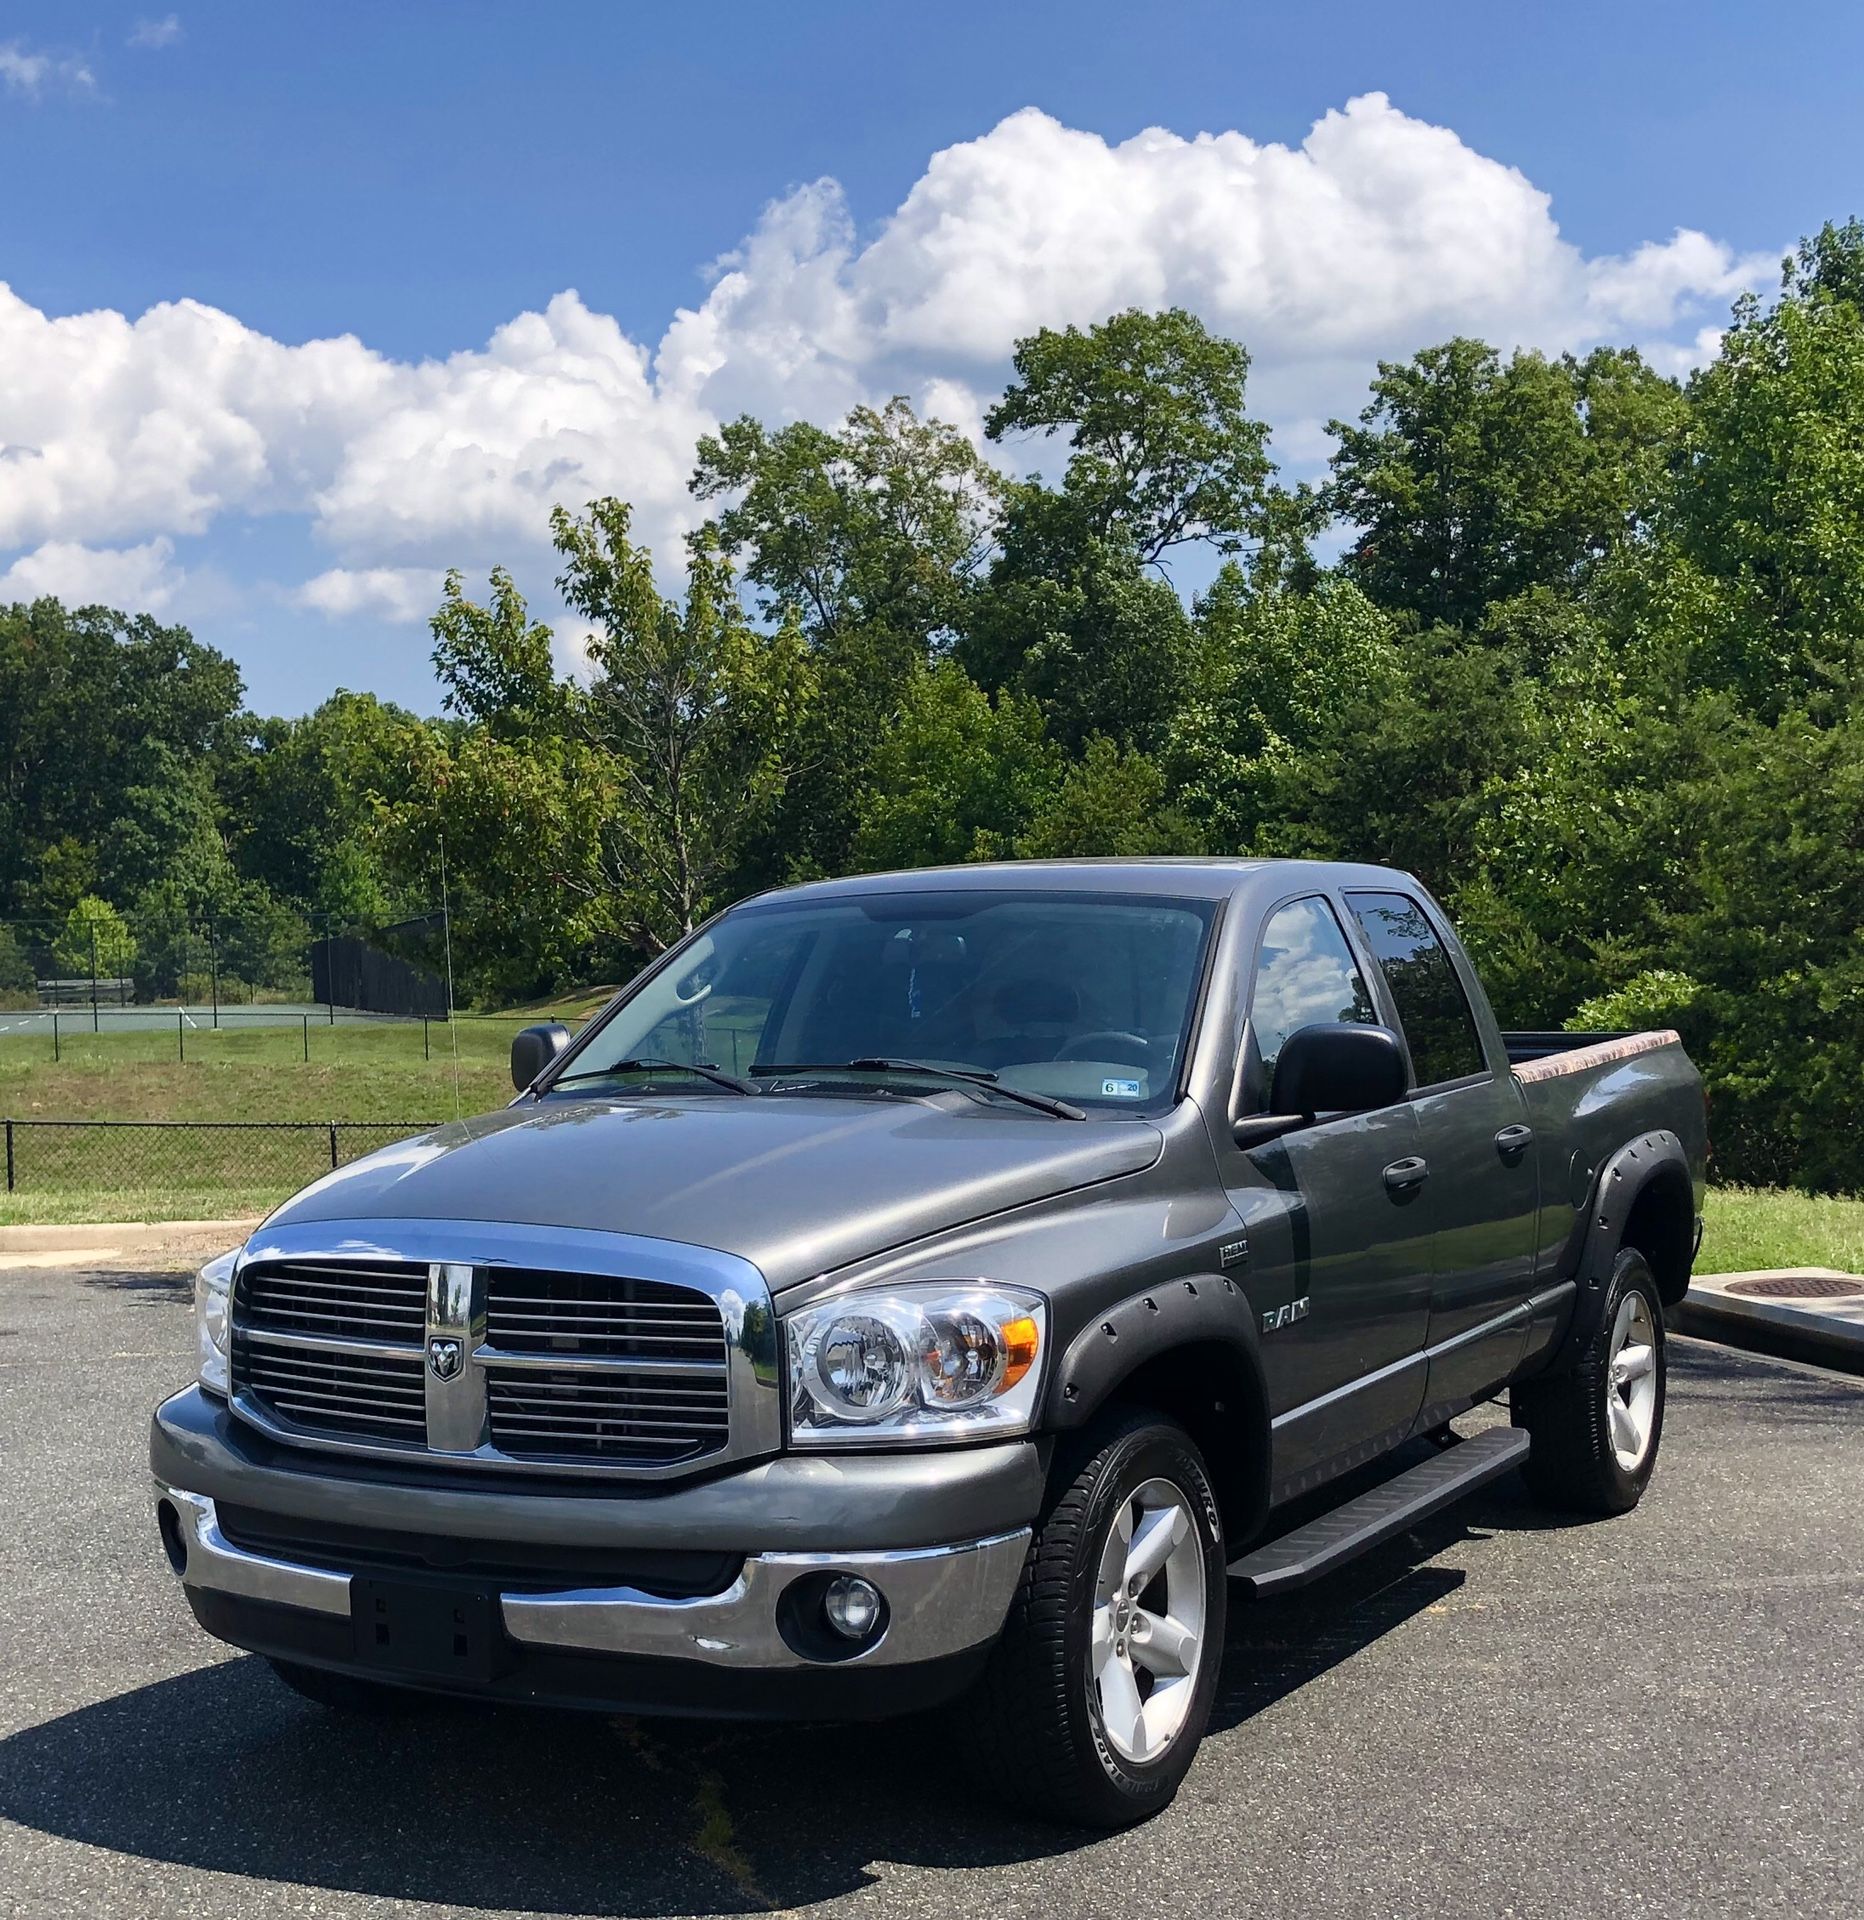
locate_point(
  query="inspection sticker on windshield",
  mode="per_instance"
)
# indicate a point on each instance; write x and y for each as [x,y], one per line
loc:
[1119,1089]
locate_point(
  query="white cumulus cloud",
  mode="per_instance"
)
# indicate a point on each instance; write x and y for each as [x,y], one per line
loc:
[388,593]
[142,579]
[1377,234]
[156,34]
[23,71]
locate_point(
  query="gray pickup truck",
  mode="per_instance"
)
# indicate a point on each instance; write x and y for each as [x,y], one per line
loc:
[939,1283]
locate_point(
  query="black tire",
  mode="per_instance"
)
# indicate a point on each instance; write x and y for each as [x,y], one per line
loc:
[1045,1737]
[346,1693]
[1574,1464]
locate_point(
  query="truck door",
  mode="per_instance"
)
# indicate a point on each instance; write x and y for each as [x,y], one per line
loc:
[1482,1193]
[1337,1262]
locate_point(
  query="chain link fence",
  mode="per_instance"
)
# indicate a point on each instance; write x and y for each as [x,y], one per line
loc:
[157,954]
[180,1156]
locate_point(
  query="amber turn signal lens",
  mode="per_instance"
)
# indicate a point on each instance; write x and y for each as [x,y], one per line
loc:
[1020,1340]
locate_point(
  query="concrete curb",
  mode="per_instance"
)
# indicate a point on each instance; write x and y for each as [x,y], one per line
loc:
[1830,1330]
[120,1236]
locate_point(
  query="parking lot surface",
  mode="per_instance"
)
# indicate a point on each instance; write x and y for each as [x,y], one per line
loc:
[1499,1715]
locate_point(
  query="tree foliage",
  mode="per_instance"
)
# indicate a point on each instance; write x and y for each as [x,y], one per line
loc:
[1588,662]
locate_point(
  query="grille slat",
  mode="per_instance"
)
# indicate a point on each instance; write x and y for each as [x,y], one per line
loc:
[376,1300]
[277,1366]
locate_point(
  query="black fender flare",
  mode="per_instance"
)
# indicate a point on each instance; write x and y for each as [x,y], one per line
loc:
[1639,1164]
[1207,1311]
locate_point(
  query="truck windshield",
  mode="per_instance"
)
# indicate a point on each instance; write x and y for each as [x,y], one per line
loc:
[1087,998]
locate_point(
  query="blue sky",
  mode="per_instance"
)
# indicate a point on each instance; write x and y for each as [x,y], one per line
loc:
[417,178]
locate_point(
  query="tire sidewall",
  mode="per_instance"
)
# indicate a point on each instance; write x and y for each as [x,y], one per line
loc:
[1630,1273]
[1154,1451]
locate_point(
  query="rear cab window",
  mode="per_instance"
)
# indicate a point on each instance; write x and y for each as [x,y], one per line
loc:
[1433,1009]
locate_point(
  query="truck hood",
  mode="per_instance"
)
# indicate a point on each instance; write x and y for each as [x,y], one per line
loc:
[797,1185]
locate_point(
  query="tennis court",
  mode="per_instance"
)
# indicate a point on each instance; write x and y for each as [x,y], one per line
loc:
[78,1019]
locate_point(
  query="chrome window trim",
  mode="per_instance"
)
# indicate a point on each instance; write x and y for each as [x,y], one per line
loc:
[754,1400]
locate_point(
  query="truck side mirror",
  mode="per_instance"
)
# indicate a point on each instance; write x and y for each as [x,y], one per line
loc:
[1338,1068]
[533,1049]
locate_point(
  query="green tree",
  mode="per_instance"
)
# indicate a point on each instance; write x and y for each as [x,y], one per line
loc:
[305,798]
[958,777]
[1162,449]
[1275,672]
[19,985]
[1161,452]
[1071,619]
[1772,937]
[95,940]
[112,729]
[1109,804]
[874,536]
[696,709]
[883,526]
[1470,478]
[1761,563]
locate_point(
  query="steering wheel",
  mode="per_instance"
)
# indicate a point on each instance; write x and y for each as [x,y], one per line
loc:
[1095,1046]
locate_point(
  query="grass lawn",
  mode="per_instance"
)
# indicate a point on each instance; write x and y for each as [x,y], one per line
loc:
[60,1207]
[376,1073]
[241,1072]
[1749,1228]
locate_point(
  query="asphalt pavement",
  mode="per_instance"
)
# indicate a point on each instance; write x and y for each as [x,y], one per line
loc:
[1500,1715]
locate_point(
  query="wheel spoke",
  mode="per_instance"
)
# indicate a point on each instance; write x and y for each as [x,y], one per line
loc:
[1100,1645]
[1151,1545]
[1122,1709]
[1112,1571]
[1625,1436]
[1621,1323]
[1633,1363]
[1166,1647]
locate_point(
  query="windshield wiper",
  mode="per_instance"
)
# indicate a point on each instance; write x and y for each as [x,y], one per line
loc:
[730,1082]
[968,1076]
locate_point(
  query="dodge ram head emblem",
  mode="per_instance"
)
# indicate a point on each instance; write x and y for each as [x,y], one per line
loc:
[445,1358]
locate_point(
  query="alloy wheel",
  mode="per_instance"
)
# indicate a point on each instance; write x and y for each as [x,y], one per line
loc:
[1148,1637]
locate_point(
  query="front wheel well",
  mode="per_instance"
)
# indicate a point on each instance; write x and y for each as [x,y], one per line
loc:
[1210,1390]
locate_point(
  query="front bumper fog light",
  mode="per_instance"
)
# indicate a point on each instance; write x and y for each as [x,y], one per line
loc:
[852,1606]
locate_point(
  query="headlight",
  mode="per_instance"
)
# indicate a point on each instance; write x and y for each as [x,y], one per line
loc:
[911,1365]
[213,1320]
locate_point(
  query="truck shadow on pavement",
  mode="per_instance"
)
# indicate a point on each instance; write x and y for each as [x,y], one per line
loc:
[221,1769]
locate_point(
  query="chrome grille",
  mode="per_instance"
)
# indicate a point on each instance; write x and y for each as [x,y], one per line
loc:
[488,1362]
[384,1301]
[607,1415]
[336,1392]
[596,1315]
[649,1379]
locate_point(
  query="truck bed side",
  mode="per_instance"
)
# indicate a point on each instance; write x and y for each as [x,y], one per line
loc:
[1589,1102]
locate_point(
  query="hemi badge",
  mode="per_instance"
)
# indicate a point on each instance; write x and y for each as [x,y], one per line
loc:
[1233,1253]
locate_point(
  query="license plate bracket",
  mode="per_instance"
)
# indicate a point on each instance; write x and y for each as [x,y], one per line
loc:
[433,1631]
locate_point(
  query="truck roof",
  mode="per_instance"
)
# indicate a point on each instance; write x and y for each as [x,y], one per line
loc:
[1196,876]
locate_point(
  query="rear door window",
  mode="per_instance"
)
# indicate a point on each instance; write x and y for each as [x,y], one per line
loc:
[1432,1007]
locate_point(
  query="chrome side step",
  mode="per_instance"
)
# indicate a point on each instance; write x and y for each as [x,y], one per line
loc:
[1361,1524]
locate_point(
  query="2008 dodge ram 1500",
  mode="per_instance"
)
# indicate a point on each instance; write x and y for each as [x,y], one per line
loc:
[935,1281]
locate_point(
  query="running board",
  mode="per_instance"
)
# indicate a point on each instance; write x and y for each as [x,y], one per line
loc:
[1336,1537]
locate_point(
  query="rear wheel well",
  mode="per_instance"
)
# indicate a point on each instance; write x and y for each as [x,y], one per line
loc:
[1662,1226]
[1210,1389]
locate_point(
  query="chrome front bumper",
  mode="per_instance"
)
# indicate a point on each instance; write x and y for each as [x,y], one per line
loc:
[940,1600]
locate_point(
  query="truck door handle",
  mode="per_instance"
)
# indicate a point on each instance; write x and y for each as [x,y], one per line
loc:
[1403,1176]
[1512,1142]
